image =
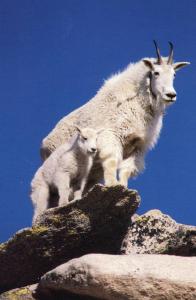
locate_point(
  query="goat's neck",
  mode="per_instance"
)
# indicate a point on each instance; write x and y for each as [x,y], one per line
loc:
[149,102]
[83,158]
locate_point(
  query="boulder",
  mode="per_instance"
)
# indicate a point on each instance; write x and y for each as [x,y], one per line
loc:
[134,276]
[157,233]
[96,223]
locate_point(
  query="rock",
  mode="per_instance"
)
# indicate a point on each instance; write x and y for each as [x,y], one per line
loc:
[25,293]
[96,223]
[136,276]
[29,293]
[157,233]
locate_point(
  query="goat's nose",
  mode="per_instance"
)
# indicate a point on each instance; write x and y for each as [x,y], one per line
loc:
[171,95]
[93,149]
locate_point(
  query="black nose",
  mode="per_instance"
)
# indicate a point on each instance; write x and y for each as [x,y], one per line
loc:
[93,149]
[171,95]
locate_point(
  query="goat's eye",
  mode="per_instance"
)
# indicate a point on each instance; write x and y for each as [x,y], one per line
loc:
[85,138]
[174,74]
[156,73]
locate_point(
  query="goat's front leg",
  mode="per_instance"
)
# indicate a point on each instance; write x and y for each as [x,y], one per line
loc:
[109,149]
[78,193]
[95,176]
[110,170]
[40,197]
[130,167]
[62,182]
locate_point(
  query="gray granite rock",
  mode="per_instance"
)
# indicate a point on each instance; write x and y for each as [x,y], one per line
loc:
[114,277]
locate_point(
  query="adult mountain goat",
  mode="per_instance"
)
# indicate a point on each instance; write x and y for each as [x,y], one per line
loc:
[130,106]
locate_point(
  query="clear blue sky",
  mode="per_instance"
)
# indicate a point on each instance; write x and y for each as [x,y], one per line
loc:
[54,55]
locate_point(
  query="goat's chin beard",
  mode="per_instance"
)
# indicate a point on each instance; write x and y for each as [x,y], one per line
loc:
[159,100]
[168,102]
[165,102]
[161,103]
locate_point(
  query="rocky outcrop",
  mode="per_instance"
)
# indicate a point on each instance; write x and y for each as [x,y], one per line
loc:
[157,233]
[114,277]
[104,222]
[96,223]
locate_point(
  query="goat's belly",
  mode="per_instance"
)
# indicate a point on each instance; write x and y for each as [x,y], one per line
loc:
[132,144]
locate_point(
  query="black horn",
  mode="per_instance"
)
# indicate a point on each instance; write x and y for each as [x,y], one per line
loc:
[159,58]
[171,54]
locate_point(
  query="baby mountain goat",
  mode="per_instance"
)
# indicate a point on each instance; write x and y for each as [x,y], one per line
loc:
[68,166]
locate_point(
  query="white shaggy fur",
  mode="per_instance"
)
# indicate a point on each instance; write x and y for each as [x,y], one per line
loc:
[130,106]
[67,166]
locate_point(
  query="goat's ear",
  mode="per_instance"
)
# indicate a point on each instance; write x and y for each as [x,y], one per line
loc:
[177,66]
[100,130]
[148,64]
[78,129]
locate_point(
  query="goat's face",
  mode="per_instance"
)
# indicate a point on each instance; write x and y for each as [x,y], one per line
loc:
[87,140]
[162,73]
